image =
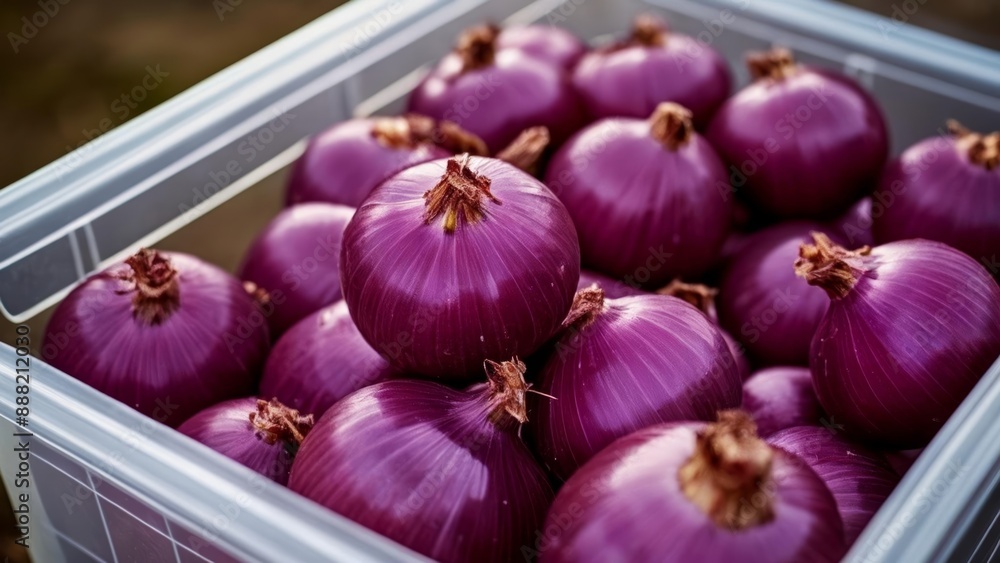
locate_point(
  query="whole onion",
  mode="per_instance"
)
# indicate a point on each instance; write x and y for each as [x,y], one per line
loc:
[860,479]
[633,77]
[692,491]
[497,92]
[782,397]
[945,189]
[644,196]
[547,43]
[440,471]
[262,435]
[163,332]
[802,142]
[624,364]
[762,302]
[613,289]
[911,327]
[452,262]
[296,261]
[320,360]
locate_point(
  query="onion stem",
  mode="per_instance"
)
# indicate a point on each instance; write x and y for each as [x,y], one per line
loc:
[277,422]
[477,46]
[157,292]
[983,150]
[832,267]
[648,31]
[587,304]
[507,388]
[700,296]
[526,150]
[404,132]
[776,64]
[459,192]
[671,125]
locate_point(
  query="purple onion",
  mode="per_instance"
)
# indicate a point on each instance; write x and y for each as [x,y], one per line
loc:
[613,289]
[547,43]
[453,262]
[855,226]
[911,328]
[860,479]
[163,332]
[782,397]
[262,435]
[296,261]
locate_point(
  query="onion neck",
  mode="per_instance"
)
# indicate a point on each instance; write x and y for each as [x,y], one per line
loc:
[671,125]
[526,150]
[459,194]
[648,31]
[982,150]
[259,295]
[156,286]
[405,132]
[830,266]
[701,296]
[275,422]
[728,471]
[587,305]
[505,391]
[477,47]
[449,136]
[776,64]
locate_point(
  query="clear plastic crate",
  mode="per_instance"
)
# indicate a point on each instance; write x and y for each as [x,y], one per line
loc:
[109,484]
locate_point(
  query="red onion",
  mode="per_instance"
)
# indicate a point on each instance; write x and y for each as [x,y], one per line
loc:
[163,332]
[497,92]
[693,492]
[440,471]
[632,77]
[805,142]
[855,225]
[782,397]
[296,261]
[763,303]
[911,328]
[547,43]
[613,289]
[643,196]
[320,360]
[859,479]
[262,435]
[623,364]
[494,277]
[945,189]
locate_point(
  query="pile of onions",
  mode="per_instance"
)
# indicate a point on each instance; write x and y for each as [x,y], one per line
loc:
[694,492]
[321,360]
[165,333]
[859,478]
[807,142]
[497,92]
[262,435]
[644,195]
[623,364]
[440,471]
[453,262]
[547,43]
[632,77]
[911,328]
[945,189]
[782,397]
[296,261]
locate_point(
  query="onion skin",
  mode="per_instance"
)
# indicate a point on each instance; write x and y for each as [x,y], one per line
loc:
[613,289]
[296,260]
[855,226]
[627,504]
[320,360]
[762,302]
[806,143]
[911,327]
[424,465]
[646,212]
[860,479]
[631,363]
[553,45]
[935,191]
[782,397]
[261,435]
[631,78]
[208,346]
[439,302]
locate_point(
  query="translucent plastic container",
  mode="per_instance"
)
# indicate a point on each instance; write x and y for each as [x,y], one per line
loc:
[109,484]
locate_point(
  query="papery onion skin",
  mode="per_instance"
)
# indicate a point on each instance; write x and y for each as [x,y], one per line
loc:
[320,360]
[259,434]
[763,304]
[807,142]
[936,191]
[860,479]
[626,504]
[424,465]
[911,327]
[631,78]
[296,260]
[344,164]
[439,302]
[205,345]
[644,197]
[613,289]
[633,362]
[782,397]
[547,43]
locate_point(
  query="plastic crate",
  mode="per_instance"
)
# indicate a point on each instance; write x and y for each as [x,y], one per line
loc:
[110,484]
